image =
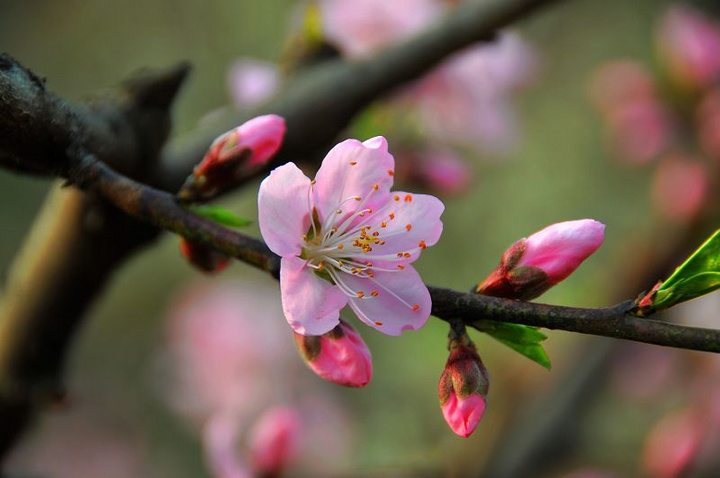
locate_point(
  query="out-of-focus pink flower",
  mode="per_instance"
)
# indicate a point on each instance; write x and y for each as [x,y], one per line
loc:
[440,170]
[467,99]
[672,444]
[224,343]
[643,372]
[252,82]
[80,443]
[689,42]
[708,123]
[359,28]
[235,155]
[639,126]
[345,238]
[463,387]
[531,266]
[680,187]
[339,356]
[273,440]
[203,257]
[220,443]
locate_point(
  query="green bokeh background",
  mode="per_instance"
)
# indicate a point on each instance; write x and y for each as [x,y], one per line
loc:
[561,171]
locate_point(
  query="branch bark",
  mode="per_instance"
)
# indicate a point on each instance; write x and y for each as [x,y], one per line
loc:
[160,209]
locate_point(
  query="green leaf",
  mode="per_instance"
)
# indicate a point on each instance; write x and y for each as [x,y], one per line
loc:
[221,216]
[697,276]
[521,338]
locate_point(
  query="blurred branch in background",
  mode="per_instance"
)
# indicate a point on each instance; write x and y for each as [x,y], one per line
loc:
[126,130]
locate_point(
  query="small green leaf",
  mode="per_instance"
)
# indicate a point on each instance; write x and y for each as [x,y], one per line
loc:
[221,216]
[521,338]
[697,276]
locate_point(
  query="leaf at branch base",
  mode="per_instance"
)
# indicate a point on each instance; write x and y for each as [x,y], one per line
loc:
[521,338]
[697,276]
[221,216]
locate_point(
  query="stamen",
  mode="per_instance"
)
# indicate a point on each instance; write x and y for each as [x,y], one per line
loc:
[401,267]
[374,293]
[408,227]
[391,172]
[415,308]
[378,324]
[353,163]
[360,294]
[408,198]
[422,245]
[396,197]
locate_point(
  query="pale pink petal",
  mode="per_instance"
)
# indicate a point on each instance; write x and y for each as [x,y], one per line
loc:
[311,304]
[392,301]
[412,222]
[283,213]
[619,82]
[252,82]
[353,168]
[463,415]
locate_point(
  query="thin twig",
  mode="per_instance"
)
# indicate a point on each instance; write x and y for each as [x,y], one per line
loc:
[160,209]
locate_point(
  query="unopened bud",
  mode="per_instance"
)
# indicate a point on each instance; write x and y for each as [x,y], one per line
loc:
[273,440]
[234,156]
[203,257]
[463,387]
[339,356]
[531,266]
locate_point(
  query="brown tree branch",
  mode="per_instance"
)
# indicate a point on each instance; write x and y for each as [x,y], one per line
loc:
[79,239]
[160,209]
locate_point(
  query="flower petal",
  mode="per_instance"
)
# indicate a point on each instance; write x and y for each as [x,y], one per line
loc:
[402,300]
[283,212]
[311,304]
[411,223]
[353,168]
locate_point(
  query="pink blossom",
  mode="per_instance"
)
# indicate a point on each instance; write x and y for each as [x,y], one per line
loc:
[672,444]
[224,342]
[273,440]
[639,126]
[689,42]
[463,387]
[345,238]
[235,155]
[220,443]
[708,123]
[359,28]
[531,266]
[467,99]
[440,170]
[680,187]
[252,82]
[339,356]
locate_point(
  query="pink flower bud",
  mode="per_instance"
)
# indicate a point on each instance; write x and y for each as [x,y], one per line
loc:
[234,156]
[531,266]
[339,356]
[273,440]
[463,387]
[203,257]
[689,42]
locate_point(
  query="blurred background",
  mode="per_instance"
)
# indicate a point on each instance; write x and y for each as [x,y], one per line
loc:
[135,410]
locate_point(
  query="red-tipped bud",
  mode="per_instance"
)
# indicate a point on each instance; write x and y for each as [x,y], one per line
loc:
[273,441]
[234,156]
[339,356]
[463,387]
[531,266]
[203,257]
